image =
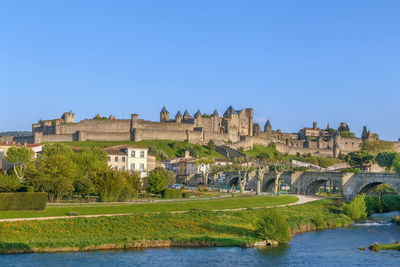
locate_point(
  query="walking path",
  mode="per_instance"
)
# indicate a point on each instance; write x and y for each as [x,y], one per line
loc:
[302,200]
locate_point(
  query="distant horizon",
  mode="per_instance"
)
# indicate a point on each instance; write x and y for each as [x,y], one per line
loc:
[294,62]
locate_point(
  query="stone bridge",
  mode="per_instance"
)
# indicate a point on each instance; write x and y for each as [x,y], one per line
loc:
[308,183]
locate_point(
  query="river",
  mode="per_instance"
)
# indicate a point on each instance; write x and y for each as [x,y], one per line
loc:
[334,247]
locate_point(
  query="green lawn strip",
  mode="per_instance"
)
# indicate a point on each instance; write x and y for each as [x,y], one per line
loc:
[225,228]
[226,203]
[386,247]
[171,148]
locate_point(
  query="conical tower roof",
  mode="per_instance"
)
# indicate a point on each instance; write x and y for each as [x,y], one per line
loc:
[198,113]
[179,114]
[164,110]
[215,114]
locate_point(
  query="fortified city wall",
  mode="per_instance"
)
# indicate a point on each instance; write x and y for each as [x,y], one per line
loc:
[235,129]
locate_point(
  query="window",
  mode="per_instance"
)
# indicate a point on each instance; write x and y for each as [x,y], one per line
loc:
[133,166]
[123,168]
[133,153]
[123,159]
[116,159]
[142,154]
[141,166]
[116,168]
[109,159]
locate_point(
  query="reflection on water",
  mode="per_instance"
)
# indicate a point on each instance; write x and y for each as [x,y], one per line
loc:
[336,247]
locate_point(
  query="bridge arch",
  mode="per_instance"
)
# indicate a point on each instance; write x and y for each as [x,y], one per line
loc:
[366,186]
[312,186]
[268,186]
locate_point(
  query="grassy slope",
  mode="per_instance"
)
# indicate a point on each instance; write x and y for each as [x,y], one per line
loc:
[321,161]
[224,228]
[226,203]
[171,148]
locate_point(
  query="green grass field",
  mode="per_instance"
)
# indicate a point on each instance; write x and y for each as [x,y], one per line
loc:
[226,203]
[222,227]
[171,148]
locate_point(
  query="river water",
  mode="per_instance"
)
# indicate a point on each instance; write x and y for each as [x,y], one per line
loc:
[335,247]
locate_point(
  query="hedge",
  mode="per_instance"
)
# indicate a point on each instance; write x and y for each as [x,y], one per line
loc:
[171,193]
[23,201]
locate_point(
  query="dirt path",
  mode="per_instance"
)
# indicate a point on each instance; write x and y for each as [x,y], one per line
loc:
[302,200]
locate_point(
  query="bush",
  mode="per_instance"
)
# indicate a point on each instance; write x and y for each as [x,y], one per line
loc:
[9,183]
[201,188]
[158,180]
[273,226]
[22,201]
[357,208]
[171,193]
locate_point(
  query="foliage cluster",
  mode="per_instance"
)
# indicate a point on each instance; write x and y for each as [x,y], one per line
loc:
[172,193]
[158,180]
[273,226]
[356,208]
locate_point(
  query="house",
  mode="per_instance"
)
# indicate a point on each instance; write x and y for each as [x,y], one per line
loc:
[222,162]
[5,146]
[129,158]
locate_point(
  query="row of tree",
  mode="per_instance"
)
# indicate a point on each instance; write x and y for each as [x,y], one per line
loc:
[62,172]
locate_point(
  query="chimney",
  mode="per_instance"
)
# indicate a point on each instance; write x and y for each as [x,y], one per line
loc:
[314,125]
[187,155]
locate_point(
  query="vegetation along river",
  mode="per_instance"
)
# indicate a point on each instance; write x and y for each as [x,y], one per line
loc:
[334,247]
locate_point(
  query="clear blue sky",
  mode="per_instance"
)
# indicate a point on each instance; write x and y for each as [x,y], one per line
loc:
[294,62]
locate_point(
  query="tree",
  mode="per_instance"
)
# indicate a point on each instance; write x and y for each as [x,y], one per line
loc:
[109,184]
[359,158]
[385,159]
[357,208]
[205,167]
[243,166]
[211,146]
[158,180]
[396,163]
[19,157]
[53,174]
[376,146]
[8,183]
[56,149]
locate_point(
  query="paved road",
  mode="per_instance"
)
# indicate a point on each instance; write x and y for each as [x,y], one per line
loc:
[302,200]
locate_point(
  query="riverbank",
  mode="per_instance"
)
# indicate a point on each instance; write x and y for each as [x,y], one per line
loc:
[235,202]
[193,228]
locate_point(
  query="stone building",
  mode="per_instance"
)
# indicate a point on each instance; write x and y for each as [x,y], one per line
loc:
[235,129]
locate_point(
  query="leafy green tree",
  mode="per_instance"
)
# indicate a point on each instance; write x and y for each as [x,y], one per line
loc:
[356,208]
[158,180]
[385,159]
[9,183]
[211,146]
[133,184]
[396,164]
[109,184]
[19,157]
[359,158]
[53,174]
[56,149]
[273,226]
[376,146]
[347,134]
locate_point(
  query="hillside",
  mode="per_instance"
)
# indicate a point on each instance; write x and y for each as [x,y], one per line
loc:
[172,149]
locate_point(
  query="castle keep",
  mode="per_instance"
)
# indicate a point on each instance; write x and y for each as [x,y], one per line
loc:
[235,129]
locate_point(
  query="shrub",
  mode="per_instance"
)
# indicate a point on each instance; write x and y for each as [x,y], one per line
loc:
[23,201]
[201,188]
[357,208]
[158,180]
[273,226]
[9,183]
[171,193]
